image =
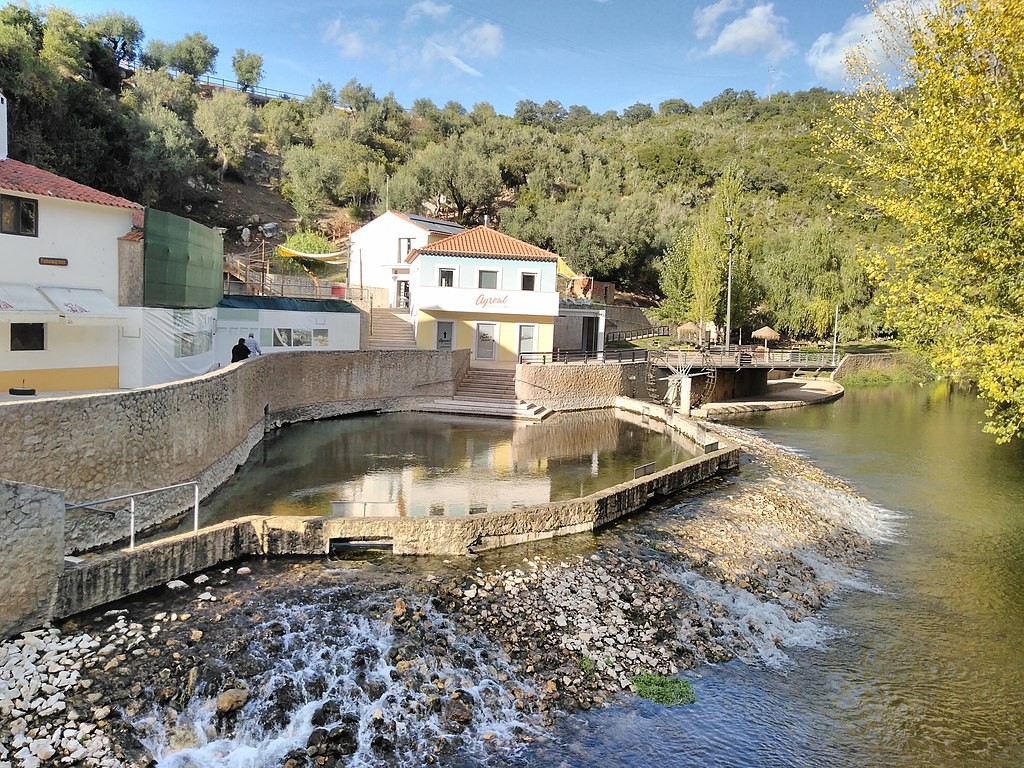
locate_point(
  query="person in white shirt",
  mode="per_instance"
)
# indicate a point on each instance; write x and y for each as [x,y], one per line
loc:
[253,345]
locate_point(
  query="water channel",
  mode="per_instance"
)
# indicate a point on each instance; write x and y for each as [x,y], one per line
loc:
[918,662]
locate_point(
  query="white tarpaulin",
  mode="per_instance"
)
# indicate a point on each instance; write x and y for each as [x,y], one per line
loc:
[177,343]
[21,303]
[80,306]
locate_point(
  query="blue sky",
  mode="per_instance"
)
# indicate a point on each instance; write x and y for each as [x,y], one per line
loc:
[603,54]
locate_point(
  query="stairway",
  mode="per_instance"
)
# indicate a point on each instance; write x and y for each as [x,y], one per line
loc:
[489,392]
[390,329]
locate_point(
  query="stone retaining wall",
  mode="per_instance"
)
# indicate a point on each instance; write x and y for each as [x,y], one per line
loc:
[579,386]
[32,554]
[881,361]
[202,429]
[104,445]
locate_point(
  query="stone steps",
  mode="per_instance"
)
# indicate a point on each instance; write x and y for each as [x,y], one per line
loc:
[391,329]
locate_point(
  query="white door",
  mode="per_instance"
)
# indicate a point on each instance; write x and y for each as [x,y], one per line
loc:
[486,341]
[527,338]
[445,334]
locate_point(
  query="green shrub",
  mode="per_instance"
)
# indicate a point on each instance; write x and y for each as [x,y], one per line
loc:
[668,691]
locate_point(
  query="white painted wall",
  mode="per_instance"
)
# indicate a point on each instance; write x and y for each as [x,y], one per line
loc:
[377,246]
[83,233]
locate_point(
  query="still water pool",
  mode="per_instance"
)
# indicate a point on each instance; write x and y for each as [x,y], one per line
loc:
[421,464]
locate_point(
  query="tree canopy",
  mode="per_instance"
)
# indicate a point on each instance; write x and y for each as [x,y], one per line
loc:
[938,148]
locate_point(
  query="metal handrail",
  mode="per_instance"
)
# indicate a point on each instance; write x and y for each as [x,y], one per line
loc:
[638,333]
[581,356]
[131,507]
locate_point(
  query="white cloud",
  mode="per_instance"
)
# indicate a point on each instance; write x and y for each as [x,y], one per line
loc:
[706,16]
[759,29]
[427,9]
[827,55]
[349,43]
[484,40]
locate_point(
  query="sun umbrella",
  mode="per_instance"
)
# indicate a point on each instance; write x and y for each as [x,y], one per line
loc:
[766,333]
[688,330]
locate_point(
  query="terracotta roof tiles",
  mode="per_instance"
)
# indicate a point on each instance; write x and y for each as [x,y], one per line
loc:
[16,176]
[487,243]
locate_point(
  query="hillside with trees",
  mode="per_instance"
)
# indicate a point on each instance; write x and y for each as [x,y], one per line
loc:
[639,197]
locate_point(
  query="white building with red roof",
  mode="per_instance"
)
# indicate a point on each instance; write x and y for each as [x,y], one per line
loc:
[59,289]
[484,291]
[377,260]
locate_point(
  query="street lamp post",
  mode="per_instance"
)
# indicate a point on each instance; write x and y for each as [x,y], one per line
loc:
[728,290]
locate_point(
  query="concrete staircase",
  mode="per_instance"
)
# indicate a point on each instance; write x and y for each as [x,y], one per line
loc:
[391,329]
[489,392]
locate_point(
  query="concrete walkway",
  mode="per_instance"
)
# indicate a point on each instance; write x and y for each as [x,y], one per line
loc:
[782,393]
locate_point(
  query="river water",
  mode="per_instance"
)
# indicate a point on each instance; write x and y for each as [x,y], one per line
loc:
[927,666]
[917,661]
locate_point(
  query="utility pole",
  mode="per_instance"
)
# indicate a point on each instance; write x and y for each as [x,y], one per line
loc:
[771,73]
[728,290]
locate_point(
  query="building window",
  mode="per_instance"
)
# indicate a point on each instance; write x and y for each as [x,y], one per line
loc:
[529,281]
[487,278]
[27,337]
[404,247]
[18,216]
[446,277]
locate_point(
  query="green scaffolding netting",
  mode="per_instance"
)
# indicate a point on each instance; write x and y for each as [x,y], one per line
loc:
[183,263]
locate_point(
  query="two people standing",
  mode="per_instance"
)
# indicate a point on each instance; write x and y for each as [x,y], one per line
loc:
[245,348]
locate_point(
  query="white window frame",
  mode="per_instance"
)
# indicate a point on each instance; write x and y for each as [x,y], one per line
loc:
[476,339]
[497,278]
[455,275]
[536,280]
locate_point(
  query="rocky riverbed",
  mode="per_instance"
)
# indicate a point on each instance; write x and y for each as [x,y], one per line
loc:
[405,662]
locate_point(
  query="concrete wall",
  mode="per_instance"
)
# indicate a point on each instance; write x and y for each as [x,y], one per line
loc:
[103,445]
[32,531]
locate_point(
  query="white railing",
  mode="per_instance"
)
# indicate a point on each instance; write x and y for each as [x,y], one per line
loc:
[92,506]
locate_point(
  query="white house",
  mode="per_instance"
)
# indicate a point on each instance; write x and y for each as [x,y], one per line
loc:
[377,259]
[59,313]
[484,291]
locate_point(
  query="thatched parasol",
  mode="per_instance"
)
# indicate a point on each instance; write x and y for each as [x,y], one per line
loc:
[767,333]
[688,331]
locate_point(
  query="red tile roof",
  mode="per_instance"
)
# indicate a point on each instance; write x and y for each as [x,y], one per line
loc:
[16,176]
[487,243]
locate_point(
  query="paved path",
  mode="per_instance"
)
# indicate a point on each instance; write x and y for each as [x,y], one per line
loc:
[783,393]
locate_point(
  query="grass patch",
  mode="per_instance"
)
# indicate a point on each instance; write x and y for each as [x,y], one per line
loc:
[667,691]
[588,667]
[875,378]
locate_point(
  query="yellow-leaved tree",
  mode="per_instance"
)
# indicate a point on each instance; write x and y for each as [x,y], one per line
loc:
[932,135]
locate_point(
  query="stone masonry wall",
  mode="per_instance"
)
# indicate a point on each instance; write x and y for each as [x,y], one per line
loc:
[578,386]
[32,531]
[103,445]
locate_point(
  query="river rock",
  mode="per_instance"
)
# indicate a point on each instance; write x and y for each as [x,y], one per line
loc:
[232,700]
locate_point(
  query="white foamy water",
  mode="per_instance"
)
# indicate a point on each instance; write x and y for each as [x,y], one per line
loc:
[342,659]
[873,522]
[755,631]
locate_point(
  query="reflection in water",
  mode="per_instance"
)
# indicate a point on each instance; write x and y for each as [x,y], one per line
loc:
[416,464]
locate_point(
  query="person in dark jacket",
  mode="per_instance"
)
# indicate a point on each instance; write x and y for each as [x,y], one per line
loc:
[239,352]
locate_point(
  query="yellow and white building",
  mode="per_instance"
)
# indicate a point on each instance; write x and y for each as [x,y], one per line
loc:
[486,292]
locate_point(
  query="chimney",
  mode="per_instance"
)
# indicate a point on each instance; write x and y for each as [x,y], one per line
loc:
[3,126]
